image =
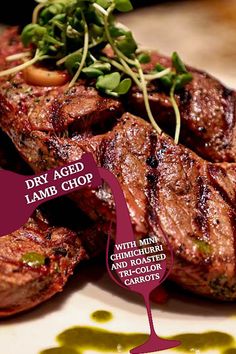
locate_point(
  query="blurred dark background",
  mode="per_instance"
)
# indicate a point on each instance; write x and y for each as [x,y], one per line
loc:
[20,11]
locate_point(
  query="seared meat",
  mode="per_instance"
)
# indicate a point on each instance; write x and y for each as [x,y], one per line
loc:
[208,113]
[56,249]
[165,185]
[207,107]
[23,286]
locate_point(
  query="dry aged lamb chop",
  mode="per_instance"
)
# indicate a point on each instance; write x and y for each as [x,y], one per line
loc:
[164,184]
[37,260]
[208,113]
[52,254]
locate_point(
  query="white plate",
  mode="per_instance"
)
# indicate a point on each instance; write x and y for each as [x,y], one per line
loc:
[90,291]
[205,37]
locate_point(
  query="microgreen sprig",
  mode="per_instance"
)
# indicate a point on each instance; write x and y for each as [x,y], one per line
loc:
[74,35]
[85,51]
[174,81]
[37,57]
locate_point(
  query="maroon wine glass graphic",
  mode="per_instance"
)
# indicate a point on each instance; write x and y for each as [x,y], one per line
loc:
[139,266]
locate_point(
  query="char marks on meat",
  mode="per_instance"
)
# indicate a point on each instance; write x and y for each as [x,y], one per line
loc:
[208,113]
[166,185]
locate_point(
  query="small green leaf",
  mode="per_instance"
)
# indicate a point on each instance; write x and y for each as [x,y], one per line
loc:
[58,21]
[72,63]
[56,8]
[104,67]
[33,259]
[144,58]
[159,67]
[117,31]
[108,82]
[94,16]
[183,80]
[50,11]
[45,16]
[32,33]
[97,31]
[92,72]
[52,40]
[97,69]
[124,87]
[178,64]
[127,45]
[168,80]
[103,3]
[123,5]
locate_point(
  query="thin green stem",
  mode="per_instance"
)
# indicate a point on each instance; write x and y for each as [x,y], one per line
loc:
[85,53]
[18,56]
[115,64]
[150,77]
[108,35]
[177,113]
[125,69]
[146,99]
[63,60]
[23,66]
[101,9]
[131,73]
[93,58]
[36,11]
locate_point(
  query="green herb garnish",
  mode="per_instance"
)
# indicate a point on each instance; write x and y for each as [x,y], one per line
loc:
[33,259]
[144,58]
[175,80]
[74,34]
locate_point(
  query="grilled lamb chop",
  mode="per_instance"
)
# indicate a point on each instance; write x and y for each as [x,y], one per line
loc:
[165,185]
[57,249]
[208,108]
[208,113]
[22,285]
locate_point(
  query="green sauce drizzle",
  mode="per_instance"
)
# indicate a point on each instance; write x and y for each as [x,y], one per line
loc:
[92,338]
[60,350]
[33,259]
[229,351]
[99,339]
[76,340]
[203,341]
[101,316]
